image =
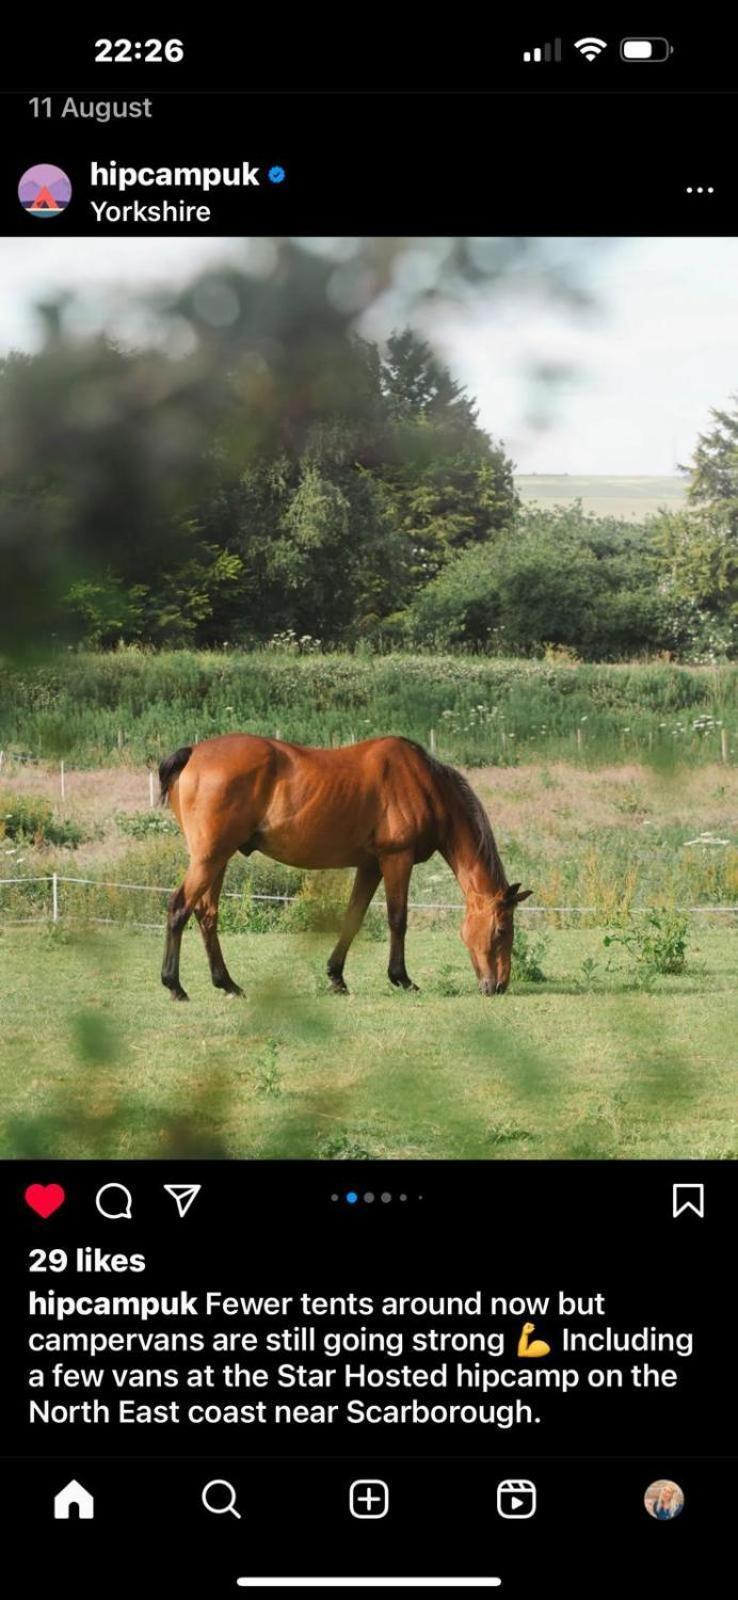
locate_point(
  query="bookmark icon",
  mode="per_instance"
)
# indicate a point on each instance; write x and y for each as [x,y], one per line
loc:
[688,1197]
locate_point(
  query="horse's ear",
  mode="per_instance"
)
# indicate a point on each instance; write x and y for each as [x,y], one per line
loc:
[514,895]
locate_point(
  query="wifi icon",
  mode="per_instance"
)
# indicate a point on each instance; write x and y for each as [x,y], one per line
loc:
[590,48]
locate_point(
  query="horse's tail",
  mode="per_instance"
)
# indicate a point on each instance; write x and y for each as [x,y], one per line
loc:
[170,768]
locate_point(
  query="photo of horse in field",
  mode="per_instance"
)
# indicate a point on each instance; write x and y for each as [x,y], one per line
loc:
[380,807]
[377,551]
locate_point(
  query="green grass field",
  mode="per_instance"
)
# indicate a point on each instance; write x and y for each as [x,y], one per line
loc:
[99,1062]
[629,498]
[611,788]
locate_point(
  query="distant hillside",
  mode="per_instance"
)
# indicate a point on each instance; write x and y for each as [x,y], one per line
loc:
[631,498]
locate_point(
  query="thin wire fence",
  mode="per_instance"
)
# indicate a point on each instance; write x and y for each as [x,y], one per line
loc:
[52,908]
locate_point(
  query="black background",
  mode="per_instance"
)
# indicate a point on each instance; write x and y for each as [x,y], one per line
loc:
[381,50]
[509,1227]
[381,139]
[487,164]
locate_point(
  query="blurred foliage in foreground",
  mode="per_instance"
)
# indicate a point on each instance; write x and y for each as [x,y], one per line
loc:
[587,1064]
[239,457]
[241,463]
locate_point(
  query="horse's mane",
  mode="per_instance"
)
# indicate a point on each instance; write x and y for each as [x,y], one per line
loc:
[473,809]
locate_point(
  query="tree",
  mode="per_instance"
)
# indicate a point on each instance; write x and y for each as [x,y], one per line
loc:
[340,559]
[699,577]
[714,468]
[699,547]
[416,384]
[451,484]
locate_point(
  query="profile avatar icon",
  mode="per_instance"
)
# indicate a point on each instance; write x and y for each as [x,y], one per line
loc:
[664,1500]
[44,191]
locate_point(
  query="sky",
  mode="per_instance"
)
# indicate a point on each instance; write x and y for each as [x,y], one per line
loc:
[637,373]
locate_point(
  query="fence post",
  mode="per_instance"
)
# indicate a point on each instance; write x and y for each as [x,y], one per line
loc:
[432,741]
[724,745]
[61,781]
[55,897]
[151,789]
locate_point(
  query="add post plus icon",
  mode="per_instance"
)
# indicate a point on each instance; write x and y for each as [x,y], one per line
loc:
[369,1499]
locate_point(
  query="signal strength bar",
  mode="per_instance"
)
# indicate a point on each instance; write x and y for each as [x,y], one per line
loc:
[543,52]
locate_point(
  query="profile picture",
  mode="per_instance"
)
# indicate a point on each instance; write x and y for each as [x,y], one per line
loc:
[44,190]
[664,1500]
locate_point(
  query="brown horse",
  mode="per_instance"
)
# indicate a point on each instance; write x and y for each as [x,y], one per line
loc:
[379,806]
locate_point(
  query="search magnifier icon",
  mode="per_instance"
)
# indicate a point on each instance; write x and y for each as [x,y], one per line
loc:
[210,1501]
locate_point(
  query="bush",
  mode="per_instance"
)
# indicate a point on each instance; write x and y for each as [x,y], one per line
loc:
[528,954]
[30,820]
[146,824]
[556,580]
[658,941]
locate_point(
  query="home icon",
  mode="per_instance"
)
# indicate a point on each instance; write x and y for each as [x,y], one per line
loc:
[74,1500]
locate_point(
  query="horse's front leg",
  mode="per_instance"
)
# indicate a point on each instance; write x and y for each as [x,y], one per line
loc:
[396,870]
[365,884]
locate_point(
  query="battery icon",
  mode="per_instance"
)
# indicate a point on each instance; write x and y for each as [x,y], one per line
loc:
[645,49]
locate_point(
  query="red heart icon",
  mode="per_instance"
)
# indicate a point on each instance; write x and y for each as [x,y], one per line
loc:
[44,1198]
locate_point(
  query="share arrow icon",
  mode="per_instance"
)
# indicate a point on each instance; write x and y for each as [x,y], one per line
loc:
[183,1195]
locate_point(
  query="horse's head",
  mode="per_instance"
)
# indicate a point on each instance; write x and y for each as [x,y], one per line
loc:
[487,932]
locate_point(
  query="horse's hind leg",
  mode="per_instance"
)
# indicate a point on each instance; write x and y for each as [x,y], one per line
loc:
[365,884]
[396,870]
[197,880]
[206,912]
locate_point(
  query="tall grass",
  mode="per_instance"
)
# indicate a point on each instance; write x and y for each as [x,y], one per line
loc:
[607,880]
[132,706]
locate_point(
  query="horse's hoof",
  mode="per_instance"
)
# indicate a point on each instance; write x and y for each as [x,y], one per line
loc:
[338,986]
[179,994]
[235,993]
